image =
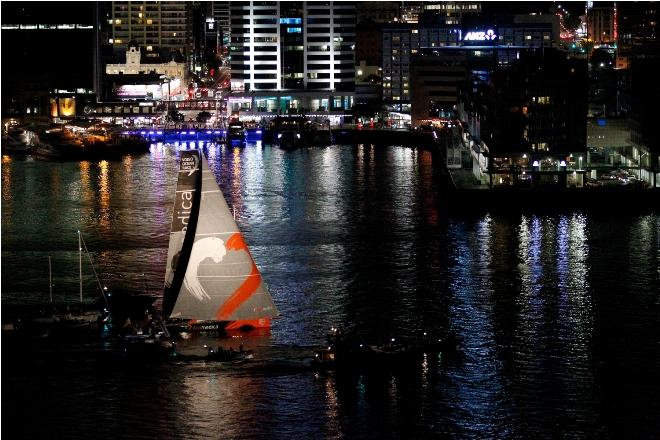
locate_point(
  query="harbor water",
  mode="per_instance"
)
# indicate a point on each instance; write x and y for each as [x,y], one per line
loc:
[557,313]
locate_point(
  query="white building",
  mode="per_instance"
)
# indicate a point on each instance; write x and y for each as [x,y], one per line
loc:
[292,55]
[133,66]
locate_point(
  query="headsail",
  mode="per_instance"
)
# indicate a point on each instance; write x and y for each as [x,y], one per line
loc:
[220,280]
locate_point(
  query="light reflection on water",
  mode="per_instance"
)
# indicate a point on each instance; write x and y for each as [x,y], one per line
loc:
[351,235]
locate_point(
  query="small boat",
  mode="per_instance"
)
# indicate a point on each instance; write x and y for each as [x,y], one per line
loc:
[211,281]
[236,134]
[16,142]
[230,355]
[64,318]
[147,336]
[292,131]
[289,139]
[141,345]
[352,352]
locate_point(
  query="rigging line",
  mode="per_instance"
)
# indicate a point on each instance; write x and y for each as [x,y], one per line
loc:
[95,274]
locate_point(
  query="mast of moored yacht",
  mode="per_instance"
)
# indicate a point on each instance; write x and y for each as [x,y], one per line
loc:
[80,265]
[50,280]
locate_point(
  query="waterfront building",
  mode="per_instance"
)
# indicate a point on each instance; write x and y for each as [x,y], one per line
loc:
[608,144]
[292,57]
[644,91]
[531,116]
[436,78]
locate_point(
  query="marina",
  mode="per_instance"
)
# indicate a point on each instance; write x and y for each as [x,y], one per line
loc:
[330,220]
[532,299]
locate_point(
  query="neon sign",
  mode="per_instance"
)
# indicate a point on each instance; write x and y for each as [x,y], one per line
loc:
[488,35]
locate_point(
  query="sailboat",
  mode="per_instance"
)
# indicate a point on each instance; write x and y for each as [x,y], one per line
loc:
[82,317]
[71,319]
[211,280]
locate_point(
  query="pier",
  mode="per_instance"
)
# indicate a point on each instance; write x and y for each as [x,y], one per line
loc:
[321,137]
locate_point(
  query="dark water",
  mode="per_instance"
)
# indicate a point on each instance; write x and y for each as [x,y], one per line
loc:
[558,314]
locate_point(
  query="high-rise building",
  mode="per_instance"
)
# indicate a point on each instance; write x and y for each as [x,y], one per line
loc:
[401,41]
[637,24]
[601,23]
[220,14]
[293,47]
[160,27]
[637,31]
[451,12]
[377,12]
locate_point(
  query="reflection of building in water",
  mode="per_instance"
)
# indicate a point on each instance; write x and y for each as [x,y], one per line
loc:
[85,183]
[104,195]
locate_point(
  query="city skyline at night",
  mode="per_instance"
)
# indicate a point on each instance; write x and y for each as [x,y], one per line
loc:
[329,219]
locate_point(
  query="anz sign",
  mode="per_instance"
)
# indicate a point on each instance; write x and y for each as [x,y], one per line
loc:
[488,35]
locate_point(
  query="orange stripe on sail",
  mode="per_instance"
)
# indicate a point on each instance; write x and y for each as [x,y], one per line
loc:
[236,242]
[246,289]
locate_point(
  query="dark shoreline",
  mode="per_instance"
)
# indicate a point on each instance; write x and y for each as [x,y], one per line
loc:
[614,200]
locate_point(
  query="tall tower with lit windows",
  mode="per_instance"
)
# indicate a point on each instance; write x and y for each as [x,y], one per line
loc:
[155,25]
[292,45]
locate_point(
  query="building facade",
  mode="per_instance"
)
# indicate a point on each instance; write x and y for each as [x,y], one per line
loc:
[531,116]
[602,24]
[134,66]
[158,26]
[292,56]
[402,41]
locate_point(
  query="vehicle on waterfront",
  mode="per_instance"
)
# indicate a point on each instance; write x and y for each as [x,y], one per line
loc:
[236,134]
[211,281]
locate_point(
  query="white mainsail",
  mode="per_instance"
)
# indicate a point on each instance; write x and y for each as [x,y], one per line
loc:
[208,261]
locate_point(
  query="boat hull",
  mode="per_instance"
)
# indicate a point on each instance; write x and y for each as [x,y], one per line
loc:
[193,326]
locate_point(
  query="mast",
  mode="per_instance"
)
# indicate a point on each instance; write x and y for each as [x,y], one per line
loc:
[80,265]
[50,280]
